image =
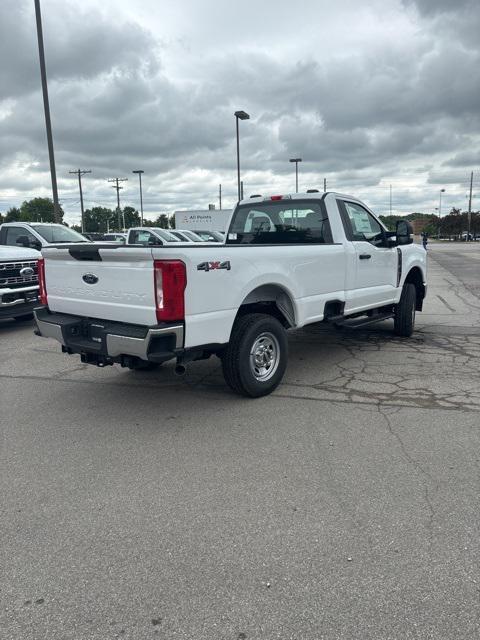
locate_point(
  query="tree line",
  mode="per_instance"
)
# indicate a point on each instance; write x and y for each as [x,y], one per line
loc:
[450,226]
[96,219]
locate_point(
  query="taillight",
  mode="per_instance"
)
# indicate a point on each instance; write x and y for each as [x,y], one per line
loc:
[276,197]
[41,282]
[170,283]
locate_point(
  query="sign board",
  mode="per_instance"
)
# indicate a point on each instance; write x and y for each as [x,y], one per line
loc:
[210,219]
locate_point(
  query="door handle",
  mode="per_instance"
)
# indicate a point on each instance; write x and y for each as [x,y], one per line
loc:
[364,256]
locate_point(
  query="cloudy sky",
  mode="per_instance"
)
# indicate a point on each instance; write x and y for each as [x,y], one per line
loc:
[370,94]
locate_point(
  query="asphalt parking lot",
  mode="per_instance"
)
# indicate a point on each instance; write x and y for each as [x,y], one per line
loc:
[139,505]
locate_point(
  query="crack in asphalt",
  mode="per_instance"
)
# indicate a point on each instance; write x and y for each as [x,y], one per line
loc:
[422,472]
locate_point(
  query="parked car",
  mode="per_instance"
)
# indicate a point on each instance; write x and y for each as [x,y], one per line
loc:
[150,236]
[210,236]
[37,234]
[185,235]
[288,261]
[93,236]
[18,282]
[114,237]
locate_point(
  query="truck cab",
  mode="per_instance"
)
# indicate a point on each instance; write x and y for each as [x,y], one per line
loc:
[37,234]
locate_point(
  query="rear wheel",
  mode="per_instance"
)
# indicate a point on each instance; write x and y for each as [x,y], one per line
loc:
[256,357]
[405,311]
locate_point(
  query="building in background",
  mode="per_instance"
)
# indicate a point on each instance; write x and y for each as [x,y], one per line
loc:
[208,219]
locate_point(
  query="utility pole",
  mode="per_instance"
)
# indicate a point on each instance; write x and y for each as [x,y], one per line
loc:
[220,196]
[118,187]
[241,189]
[470,207]
[324,185]
[80,173]
[46,107]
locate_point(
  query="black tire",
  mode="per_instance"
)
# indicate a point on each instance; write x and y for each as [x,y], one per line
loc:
[405,311]
[238,363]
[24,318]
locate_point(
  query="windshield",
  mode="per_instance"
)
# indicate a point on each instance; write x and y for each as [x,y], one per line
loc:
[58,233]
[165,235]
[210,236]
[179,235]
[284,222]
[192,236]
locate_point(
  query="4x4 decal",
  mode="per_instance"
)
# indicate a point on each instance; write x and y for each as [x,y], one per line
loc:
[211,266]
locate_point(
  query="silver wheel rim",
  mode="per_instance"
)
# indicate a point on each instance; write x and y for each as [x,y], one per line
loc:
[264,357]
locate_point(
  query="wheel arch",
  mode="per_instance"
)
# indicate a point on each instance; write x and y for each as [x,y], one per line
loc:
[272,299]
[415,277]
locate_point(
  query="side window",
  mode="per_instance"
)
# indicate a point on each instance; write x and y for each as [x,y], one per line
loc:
[144,237]
[13,233]
[286,223]
[364,226]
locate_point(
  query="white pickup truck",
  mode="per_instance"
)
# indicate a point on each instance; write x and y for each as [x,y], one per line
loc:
[288,261]
[18,282]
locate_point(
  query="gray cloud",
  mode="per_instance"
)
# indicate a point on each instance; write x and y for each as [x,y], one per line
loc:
[369,108]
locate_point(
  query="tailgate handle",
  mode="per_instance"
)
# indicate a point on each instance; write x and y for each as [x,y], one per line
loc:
[86,253]
[364,256]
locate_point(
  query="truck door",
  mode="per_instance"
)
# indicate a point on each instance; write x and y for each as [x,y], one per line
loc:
[373,280]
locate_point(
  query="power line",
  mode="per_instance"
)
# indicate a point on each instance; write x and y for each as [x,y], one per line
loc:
[80,173]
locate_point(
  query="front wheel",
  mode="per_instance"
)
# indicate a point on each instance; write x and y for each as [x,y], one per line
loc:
[256,357]
[404,321]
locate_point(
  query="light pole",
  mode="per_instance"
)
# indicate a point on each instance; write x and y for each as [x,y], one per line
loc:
[440,211]
[440,203]
[239,115]
[296,161]
[46,107]
[140,171]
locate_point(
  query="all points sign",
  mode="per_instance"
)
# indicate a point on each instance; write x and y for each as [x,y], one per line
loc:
[211,219]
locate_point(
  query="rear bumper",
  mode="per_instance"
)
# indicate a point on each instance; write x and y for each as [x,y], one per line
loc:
[103,340]
[18,302]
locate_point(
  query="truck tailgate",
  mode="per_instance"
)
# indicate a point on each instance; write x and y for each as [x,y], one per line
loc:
[110,282]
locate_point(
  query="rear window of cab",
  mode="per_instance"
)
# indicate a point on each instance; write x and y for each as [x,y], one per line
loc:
[283,222]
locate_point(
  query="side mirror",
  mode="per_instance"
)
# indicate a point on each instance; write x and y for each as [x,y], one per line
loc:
[23,241]
[404,232]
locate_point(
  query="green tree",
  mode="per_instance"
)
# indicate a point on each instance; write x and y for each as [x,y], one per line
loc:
[100,220]
[162,221]
[132,217]
[12,215]
[453,224]
[391,221]
[38,210]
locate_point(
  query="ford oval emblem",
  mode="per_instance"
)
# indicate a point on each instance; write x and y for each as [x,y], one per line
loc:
[90,278]
[27,271]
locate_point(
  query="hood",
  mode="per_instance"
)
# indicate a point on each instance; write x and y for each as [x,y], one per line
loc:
[18,253]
